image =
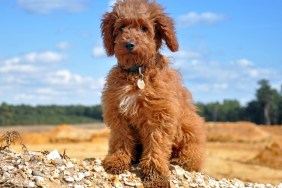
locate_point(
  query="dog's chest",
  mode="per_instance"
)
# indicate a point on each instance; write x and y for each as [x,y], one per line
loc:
[129,101]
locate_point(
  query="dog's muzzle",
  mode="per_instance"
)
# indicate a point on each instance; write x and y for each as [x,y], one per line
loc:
[129,46]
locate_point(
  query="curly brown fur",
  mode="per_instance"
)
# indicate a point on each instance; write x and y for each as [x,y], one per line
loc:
[161,117]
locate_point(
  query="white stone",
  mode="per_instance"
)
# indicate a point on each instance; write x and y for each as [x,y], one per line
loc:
[39,181]
[62,168]
[79,176]
[54,156]
[7,168]
[87,174]
[28,183]
[98,161]
[66,173]
[78,186]
[87,182]
[55,173]
[69,164]
[69,179]
[98,168]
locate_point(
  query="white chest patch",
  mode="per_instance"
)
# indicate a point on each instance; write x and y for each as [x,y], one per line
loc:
[128,104]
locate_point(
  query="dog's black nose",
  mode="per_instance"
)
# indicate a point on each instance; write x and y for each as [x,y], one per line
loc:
[129,45]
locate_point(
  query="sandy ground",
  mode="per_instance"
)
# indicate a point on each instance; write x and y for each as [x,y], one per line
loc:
[224,159]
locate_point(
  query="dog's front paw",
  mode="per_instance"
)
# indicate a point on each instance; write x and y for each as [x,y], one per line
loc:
[154,176]
[154,179]
[116,164]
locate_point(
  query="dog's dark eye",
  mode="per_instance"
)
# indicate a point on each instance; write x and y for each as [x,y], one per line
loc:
[122,28]
[144,29]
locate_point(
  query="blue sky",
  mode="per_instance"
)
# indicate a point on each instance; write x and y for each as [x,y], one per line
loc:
[51,50]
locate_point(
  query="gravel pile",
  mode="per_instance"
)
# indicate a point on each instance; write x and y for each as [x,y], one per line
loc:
[50,169]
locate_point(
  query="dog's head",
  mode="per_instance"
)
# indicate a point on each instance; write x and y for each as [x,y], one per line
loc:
[135,29]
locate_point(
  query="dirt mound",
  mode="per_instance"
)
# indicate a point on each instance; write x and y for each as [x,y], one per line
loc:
[64,134]
[275,131]
[270,156]
[236,132]
[36,138]
[67,133]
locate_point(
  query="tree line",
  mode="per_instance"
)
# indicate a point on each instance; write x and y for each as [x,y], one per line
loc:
[49,114]
[266,109]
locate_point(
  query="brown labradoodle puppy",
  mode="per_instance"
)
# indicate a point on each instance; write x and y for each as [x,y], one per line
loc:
[149,112]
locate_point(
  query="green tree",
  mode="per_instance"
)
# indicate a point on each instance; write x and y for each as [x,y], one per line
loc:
[231,110]
[254,112]
[266,96]
[6,114]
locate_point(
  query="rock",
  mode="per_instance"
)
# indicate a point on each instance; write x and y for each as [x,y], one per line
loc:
[6,176]
[69,179]
[117,183]
[88,183]
[87,174]
[79,176]
[78,186]
[178,170]
[39,181]
[54,157]
[98,168]
[37,173]
[67,173]
[28,183]
[132,184]
[55,174]
[8,168]
[69,164]
[98,161]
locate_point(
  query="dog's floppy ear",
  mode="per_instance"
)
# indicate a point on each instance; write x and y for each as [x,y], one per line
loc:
[166,31]
[107,28]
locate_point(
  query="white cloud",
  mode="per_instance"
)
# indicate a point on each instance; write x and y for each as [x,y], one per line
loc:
[193,18]
[45,57]
[98,84]
[35,78]
[182,57]
[36,57]
[48,91]
[98,51]
[26,63]
[29,63]
[216,87]
[9,67]
[185,54]
[243,62]
[220,86]
[13,60]
[64,77]
[24,97]
[213,80]
[47,6]
[63,45]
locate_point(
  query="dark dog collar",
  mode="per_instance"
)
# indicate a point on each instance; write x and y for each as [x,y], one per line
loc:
[138,70]
[134,69]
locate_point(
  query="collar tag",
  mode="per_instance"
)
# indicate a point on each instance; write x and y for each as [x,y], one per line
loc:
[140,84]
[140,81]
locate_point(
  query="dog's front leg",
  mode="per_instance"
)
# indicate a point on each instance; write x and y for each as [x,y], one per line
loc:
[156,138]
[121,150]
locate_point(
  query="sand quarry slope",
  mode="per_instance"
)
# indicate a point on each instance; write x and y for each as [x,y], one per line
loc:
[239,150]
